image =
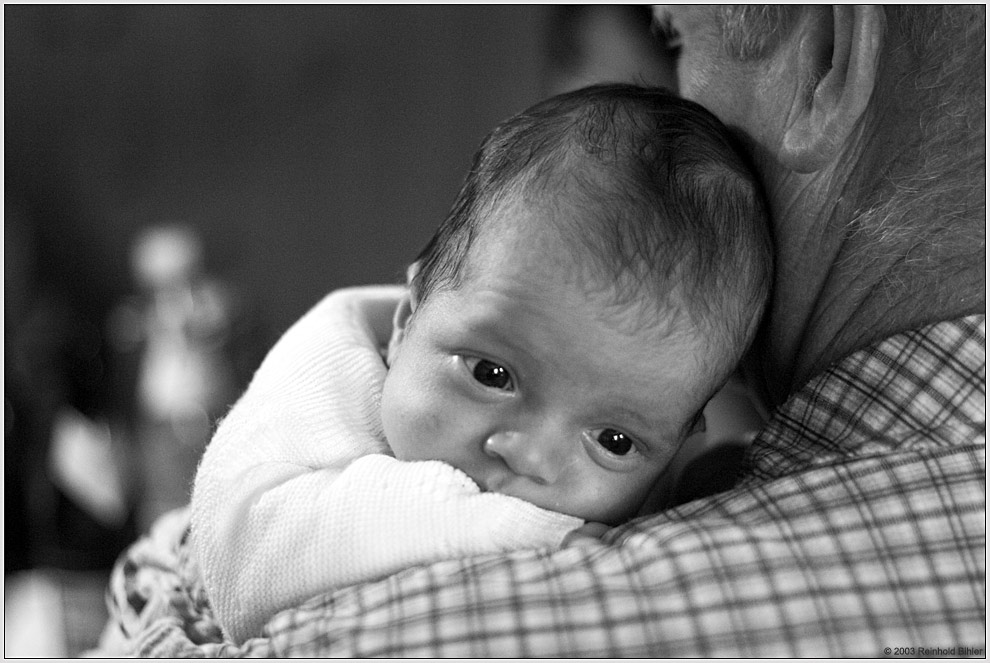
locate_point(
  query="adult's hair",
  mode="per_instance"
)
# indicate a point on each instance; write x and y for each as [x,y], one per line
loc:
[677,217]
[927,184]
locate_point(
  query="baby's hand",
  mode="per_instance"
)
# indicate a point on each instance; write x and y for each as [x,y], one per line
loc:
[587,533]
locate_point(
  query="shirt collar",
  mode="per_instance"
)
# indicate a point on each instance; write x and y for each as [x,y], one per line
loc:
[920,389]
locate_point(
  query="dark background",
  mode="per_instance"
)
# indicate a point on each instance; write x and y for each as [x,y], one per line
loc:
[313,147]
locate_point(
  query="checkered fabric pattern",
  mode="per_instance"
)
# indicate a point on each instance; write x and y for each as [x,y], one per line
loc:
[858,526]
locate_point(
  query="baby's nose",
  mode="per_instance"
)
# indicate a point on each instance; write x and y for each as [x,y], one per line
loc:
[534,457]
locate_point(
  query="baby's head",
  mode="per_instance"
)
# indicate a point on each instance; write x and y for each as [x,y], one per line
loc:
[600,275]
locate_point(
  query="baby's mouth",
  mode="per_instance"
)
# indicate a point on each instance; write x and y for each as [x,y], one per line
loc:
[485,484]
[491,484]
[487,479]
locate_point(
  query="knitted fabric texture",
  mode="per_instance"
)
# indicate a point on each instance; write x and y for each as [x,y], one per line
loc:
[298,494]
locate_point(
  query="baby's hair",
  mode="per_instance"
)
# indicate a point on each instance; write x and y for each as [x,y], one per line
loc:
[677,213]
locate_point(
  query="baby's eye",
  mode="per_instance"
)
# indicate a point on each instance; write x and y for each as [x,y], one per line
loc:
[614,441]
[489,373]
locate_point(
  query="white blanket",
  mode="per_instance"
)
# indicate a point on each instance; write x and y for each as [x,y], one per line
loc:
[298,494]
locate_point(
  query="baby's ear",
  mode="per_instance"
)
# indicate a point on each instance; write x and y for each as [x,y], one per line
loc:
[411,271]
[400,323]
[699,425]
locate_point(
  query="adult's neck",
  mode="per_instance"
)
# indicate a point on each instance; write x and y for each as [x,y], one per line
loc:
[847,276]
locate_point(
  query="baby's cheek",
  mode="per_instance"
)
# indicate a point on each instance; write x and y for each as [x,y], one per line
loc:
[611,499]
[411,421]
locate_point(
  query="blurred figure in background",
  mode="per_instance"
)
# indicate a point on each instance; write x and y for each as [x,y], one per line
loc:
[186,339]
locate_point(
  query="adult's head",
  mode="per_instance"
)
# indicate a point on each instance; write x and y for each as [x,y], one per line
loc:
[867,124]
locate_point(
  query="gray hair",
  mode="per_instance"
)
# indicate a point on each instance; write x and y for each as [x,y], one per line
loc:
[924,191]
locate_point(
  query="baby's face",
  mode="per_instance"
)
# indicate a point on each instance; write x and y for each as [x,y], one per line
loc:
[537,389]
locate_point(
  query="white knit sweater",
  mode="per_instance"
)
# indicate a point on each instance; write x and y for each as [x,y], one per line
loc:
[298,494]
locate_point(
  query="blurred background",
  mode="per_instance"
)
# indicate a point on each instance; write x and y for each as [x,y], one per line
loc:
[181,184]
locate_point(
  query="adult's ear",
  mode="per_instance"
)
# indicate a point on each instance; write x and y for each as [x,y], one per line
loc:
[838,60]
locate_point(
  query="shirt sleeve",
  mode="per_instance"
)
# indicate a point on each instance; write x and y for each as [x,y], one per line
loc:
[839,561]
[266,477]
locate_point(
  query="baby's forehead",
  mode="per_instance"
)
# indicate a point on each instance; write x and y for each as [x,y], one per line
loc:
[544,243]
[549,236]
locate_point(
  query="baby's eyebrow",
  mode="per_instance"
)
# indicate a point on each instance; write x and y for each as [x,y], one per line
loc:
[626,414]
[651,431]
[490,330]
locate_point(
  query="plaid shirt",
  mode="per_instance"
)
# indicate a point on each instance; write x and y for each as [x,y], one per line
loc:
[858,530]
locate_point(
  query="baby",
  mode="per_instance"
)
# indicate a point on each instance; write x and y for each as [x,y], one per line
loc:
[599,277]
